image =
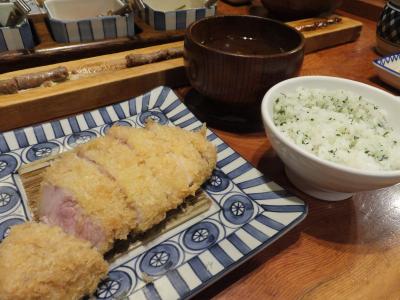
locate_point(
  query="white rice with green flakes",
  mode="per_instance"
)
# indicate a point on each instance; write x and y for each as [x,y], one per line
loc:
[339,126]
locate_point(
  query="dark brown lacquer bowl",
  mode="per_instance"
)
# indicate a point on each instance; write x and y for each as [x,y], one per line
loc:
[236,59]
[301,8]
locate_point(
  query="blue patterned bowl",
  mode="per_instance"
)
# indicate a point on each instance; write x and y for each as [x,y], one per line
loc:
[75,21]
[388,69]
[388,29]
[14,38]
[174,15]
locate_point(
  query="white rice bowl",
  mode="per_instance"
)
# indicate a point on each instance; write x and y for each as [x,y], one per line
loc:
[339,126]
[331,159]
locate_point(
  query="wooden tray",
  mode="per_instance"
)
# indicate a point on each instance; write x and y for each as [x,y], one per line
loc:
[45,103]
[369,9]
[347,30]
[49,51]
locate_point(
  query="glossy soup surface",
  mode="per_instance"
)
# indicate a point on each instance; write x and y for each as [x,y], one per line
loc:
[242,44]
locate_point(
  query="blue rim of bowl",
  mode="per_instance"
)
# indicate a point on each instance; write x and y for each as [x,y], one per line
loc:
[298,48]
[288,142]
[376,63]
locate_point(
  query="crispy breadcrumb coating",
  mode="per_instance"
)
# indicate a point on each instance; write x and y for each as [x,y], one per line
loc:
[98,196]
[172,164]
[41,262]
[129,179]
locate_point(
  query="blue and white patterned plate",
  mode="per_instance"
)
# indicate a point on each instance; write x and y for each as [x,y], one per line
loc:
[388,69]
[248,211]
[87,29]
[174,19]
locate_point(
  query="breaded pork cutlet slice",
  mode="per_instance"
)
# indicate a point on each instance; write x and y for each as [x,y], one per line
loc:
[195,155]
[154,184]
[40,262]
[198,156]
[137,179]
[172,163]
[85,201]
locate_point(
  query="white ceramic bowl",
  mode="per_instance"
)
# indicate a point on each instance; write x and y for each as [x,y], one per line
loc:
[318,177]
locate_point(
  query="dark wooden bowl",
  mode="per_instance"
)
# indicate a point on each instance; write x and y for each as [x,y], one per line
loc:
[295,9]
[236,59]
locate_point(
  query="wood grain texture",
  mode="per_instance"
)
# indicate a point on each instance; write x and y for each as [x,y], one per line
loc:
[370,9]
[45,103]
[344,250]
[48,51]
[85,62]
[240,78]
[347,30]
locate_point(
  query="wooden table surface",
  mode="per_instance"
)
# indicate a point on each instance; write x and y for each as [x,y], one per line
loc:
[344,250]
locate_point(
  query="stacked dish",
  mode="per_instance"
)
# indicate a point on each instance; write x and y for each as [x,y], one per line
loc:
[15,31]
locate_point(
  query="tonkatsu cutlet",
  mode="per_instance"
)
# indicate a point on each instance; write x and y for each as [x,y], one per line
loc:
[125,181]
[84,201]
[137,178]
[40,262]
[165,166]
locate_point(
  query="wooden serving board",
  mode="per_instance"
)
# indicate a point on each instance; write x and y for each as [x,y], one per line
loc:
[49,51]
[369,9]
[69,97]
[347,30]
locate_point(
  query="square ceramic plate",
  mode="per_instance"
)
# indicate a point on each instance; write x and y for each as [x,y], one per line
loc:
[74,21]
[388,69]
[248,211]
[174,14]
